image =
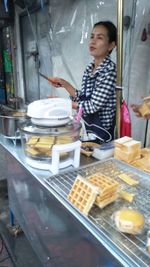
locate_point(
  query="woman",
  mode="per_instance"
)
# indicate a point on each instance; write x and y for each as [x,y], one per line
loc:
[97,96]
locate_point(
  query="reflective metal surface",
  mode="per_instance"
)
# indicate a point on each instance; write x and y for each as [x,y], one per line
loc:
[40,207]
[10,123]
[57,237]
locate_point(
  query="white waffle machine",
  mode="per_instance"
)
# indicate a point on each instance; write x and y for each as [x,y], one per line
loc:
[50,112]
[54,112]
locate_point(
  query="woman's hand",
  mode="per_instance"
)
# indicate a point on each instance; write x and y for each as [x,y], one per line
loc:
[74,105]
[59,82]
[147,117]
[55,81]
[135,108]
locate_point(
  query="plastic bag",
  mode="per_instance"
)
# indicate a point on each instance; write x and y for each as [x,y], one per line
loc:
[128,220]
[125,125]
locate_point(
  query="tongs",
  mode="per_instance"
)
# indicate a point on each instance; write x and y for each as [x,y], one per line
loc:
[51,80]
[45,77]
[147,98]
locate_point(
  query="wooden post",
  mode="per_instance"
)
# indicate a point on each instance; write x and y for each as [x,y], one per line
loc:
[119,64]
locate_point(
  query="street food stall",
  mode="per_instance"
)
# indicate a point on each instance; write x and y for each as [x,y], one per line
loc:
[100,207]
[58,230]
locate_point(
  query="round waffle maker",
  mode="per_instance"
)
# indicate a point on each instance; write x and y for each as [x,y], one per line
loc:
[50,138]
[50,112]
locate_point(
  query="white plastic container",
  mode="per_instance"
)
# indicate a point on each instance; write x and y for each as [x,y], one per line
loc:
[105,151]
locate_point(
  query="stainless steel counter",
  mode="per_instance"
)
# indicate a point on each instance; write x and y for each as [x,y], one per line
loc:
[59,233]
[56,235]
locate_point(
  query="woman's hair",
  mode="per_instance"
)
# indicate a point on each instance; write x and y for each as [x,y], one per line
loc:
[111,29]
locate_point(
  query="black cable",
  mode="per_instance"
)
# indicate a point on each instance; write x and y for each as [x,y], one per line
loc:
[146,130]
[1,250]
[2,244]
[6,258]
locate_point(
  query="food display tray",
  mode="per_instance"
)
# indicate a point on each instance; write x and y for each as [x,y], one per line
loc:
[132,247]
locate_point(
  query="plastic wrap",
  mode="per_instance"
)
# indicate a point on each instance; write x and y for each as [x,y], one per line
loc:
[128,220]
[61,31]
[137,66]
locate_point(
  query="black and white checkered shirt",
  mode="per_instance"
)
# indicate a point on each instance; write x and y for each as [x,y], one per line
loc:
[99,91]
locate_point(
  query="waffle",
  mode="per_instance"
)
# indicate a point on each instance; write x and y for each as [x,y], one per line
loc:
[39,142]
[143,164]
[103,203]
[127,179]
[129,156]
[131,146]
[127,149]
[33,140]
[64,140]
[83,194]
[126,196]
[145,108]
[31,151]
[38,151]
[108,189]
[120,141]
[145,152]
[19,113]
[45,141]
[42,145]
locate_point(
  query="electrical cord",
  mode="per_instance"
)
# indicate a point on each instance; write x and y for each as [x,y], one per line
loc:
[1,250]
[6,258]
[2,245]
[101,139]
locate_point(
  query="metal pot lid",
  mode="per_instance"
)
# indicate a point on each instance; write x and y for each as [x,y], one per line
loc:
[70,128]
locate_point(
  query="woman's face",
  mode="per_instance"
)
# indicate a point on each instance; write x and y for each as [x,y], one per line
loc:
[99,45]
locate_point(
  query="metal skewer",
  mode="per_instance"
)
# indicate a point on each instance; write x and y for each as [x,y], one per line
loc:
[45,77]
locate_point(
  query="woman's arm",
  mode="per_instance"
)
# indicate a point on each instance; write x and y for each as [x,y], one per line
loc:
[74,105]
[58,82]
[135,108]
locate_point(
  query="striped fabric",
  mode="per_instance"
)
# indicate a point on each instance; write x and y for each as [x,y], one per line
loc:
[99,89]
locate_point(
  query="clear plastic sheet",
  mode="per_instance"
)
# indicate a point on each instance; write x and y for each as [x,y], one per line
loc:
[60,31]
[136,73]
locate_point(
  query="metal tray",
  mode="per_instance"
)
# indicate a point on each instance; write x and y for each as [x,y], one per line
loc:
[133,247]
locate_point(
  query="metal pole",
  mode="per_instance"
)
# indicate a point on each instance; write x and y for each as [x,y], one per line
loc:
[119,64]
